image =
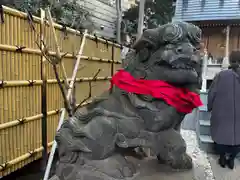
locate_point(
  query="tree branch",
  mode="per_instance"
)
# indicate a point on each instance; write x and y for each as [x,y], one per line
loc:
[90,90]
[63,91]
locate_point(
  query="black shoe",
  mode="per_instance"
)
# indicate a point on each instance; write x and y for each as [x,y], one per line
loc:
[160,160]
[222,161]
[230,163]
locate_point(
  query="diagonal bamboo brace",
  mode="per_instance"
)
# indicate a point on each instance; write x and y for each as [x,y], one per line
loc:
[58,53]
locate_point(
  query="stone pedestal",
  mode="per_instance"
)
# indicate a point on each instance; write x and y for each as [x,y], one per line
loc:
[149,169]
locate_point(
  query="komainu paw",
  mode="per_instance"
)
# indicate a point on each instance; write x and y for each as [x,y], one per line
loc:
[184,162]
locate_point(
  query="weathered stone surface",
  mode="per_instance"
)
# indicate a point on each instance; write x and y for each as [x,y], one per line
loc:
[150,169]
[94,144]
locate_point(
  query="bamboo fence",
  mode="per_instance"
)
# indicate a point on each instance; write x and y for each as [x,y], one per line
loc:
[21,83]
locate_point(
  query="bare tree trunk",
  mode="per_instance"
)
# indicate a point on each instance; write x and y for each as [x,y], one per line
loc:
[44,99]
[141,18]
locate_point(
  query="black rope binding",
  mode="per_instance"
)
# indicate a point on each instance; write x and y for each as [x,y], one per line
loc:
[64,30]
[73,54]
[57,111]
[81,31]
[21,121]
[20,48]
[1,14]
[121,46]
[31,153]
[4,166]
[2,83]
[114,42]
[96,39]
[31,82]
[107,43]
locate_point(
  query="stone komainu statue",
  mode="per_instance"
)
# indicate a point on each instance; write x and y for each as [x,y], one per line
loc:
[145,107]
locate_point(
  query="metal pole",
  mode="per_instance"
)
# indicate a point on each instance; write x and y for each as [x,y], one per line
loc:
[141,18]
[51,156]
[119,19]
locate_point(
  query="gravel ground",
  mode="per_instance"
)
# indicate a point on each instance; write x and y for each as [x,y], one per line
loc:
[201,161]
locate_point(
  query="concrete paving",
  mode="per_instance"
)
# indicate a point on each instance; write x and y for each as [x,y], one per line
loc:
[206,165]
[149,169]
[224,173]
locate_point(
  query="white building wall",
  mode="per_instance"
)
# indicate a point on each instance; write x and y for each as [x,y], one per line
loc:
[126,4]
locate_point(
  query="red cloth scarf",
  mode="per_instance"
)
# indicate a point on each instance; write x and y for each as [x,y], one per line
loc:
[180,98]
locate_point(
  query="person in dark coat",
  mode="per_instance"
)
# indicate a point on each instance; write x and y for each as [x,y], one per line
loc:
[224,104]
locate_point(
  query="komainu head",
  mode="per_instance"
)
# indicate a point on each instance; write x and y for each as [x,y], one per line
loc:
[170,52]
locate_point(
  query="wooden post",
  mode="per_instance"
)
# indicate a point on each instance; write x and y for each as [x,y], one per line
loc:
[44,99]
[113,58]
[225,63]
[204,71]
[112,64]
[227,42]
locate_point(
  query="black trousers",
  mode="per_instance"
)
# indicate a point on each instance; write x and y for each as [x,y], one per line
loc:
[227,149]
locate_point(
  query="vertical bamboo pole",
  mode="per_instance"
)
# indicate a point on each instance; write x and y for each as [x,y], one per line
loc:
[113,58]
[112,63]
[44,98]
